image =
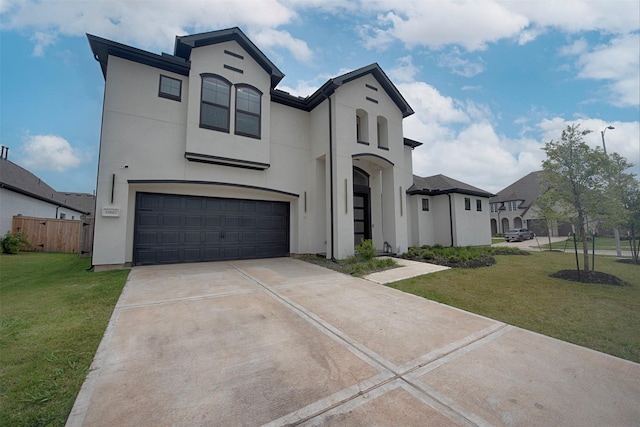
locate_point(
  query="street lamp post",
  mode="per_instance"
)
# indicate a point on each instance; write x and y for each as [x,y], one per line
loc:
[616,233]
[604,146]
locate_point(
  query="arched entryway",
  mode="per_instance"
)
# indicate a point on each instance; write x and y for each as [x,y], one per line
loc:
[505,225]
[361,206]
[517,222]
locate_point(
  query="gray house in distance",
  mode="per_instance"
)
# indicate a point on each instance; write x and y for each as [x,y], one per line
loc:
[23,193]
[513,207]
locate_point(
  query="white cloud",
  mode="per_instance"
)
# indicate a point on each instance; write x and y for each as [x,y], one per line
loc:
[619,63]
[150,24]
[404,71]
[467,23]
[49,152]
[270,38]
[41,41]
[460,66]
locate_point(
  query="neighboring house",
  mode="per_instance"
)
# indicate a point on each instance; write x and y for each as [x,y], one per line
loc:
[203,159]
[449,212]
[513,208]
[23,193]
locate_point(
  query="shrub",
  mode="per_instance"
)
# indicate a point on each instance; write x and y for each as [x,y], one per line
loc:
[366,251]
[11,243]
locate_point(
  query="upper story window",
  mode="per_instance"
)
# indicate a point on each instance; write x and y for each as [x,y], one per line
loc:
[170,88]
[425,205]
[467,204]
[513,206]
[478,205]
[214,108]
[362,127]
[383,133]
[248,111]
[494,207]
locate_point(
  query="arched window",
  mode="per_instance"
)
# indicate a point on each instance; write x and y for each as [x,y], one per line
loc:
[248,111]
[215,100]
[360,177]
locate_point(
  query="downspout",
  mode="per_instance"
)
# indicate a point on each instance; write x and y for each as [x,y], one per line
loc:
[450,218]
[331,207]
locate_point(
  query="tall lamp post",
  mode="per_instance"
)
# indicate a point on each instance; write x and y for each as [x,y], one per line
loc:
[616,233]
[604,146]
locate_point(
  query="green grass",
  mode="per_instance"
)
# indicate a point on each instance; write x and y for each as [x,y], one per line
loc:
[602,243]
[518,290]
[53,314]
[497,240]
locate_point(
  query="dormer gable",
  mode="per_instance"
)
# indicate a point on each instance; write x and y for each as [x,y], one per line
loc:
[185,44]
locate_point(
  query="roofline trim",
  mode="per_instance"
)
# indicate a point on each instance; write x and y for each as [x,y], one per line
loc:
[41,198]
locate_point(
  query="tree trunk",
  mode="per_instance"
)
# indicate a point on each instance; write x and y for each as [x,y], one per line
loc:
[585,244]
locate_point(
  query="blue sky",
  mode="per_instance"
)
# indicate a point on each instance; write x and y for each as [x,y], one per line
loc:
[490,81]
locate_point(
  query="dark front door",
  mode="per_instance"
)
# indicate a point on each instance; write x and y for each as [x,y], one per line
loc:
[361,215]
[172,229]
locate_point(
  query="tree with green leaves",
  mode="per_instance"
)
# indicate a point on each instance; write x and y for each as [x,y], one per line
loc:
[548,209]
[576,176]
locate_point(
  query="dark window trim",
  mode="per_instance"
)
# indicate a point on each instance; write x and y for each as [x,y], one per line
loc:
[371,87]
[168,95]
[383,148]
[467,204]
[236,55]
[375,101]
[228,107]
[363,142]
[237,70]
[478,205]
[259,115]
[425,205]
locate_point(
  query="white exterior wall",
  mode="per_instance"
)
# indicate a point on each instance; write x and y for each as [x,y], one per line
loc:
[150,135]
[471,228]
[13,204]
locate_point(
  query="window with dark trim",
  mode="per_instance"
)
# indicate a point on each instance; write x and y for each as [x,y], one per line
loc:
[467,204]
[170,88]
[215,101]
[425,205]
[248,111]
[478,205]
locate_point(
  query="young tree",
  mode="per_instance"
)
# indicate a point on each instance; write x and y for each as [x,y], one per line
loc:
[576,176]
[548,210]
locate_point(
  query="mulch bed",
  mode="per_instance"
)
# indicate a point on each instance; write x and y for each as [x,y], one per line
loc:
[628,261]
[594,277]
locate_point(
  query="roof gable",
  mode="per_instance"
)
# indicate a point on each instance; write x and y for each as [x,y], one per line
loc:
[441,184]
[313,100]
[526,189]
[185,44]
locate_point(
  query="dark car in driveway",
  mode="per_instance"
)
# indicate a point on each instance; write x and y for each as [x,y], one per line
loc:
[518,235]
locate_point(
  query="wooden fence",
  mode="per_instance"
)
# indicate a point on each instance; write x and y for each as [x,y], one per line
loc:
[56,235]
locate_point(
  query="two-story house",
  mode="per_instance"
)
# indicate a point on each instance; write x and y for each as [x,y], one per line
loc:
[202,158]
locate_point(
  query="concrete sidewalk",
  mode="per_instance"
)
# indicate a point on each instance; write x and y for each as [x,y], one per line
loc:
[282,342]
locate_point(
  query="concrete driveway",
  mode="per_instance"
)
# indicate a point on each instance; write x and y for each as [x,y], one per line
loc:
[282,342]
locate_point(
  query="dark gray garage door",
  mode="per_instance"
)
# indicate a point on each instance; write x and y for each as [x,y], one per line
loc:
[173,229]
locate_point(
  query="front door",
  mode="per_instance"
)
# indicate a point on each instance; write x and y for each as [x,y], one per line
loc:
[361,206]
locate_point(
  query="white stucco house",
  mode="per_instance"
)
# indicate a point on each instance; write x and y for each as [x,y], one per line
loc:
[202,158]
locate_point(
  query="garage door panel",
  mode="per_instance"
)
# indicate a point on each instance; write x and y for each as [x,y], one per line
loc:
[193,221]
[175,229]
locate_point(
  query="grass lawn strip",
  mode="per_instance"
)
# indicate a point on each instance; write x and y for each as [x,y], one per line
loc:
[53,314]
[518,290]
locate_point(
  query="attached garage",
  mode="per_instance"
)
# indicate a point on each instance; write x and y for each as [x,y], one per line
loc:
[171,229]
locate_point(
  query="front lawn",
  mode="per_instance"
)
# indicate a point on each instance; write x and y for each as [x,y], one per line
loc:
[518,290]
[602,243]
[53,314]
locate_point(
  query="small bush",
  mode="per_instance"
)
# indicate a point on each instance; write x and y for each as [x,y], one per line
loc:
[12,243]
[366,251]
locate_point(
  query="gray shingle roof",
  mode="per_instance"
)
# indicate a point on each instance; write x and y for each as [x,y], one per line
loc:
[441,184]
[524,190]
[20,180]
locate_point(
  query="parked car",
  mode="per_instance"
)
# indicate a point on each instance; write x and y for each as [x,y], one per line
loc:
[518,235]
